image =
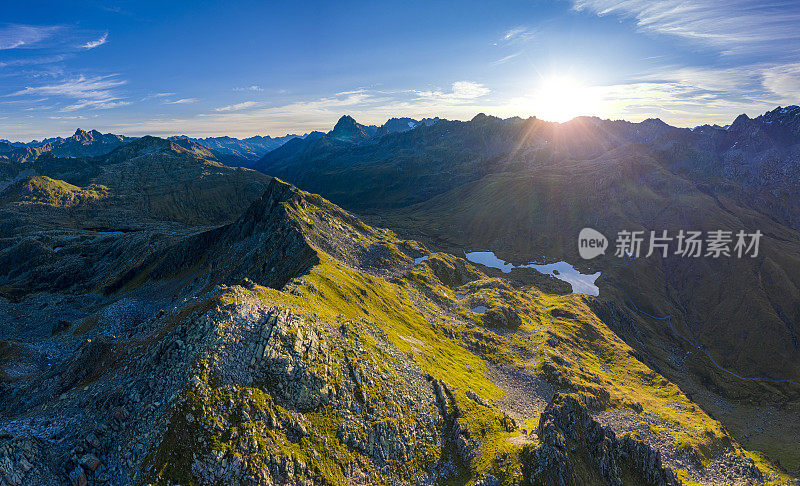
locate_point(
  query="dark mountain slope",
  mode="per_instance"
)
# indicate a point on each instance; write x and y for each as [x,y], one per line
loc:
[152,178]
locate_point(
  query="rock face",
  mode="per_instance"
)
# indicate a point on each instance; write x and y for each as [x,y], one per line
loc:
[396,125]
[348,130]
[575,449]
[288,356]
[265,399]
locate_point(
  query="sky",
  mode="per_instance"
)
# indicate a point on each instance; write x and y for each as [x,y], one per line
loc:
[242,68]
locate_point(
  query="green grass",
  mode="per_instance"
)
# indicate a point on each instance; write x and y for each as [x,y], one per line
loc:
[54,192]
[593,357]
[335,293]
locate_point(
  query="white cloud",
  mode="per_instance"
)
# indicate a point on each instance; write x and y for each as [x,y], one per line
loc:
[784,81]
[157,95]
[371,107]
[253,87]
[461,91]
[96,43]
[517,34]
[97,92]
[351,92]
[506,58]
[34,61]
[15,36]
[733,26]
[96,104]
[182,101]
[238,106]
[97,87]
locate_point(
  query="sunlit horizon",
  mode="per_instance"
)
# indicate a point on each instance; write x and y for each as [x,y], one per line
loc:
[277,69]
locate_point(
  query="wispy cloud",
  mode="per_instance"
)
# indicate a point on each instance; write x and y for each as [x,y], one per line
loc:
[733,26]
[182,101]
[507,58]
[252,87]
[32,61]
[368,106]
[96,87]
[461,91]
[89,92]
[517,34]
[96,104]
[14,36]
[759,66]
[96,43]
[515,38]
[157,95]
[784,81]
[238,106]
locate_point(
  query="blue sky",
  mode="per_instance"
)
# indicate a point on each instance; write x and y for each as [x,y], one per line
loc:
[244,68]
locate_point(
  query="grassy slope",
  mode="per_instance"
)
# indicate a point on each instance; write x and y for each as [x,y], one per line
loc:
[424,312]
[738,309]
[52,192]
[577,343]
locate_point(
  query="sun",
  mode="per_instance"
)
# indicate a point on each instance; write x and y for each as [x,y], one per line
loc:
[561,98]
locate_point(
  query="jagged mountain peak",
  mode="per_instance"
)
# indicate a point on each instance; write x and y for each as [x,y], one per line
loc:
[81,134]
[781,123]
[277,192]
[347,129]
[397,125]
[740,122]
[239,152]
[92,136]
[655,122]
[787,116]
[345,120]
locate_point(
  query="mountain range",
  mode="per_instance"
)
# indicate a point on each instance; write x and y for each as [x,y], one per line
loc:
[228,150]
[320,317]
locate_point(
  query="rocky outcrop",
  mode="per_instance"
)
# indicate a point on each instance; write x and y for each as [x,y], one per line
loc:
[291,358]
[451,271]
[16,458]
[575,449]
